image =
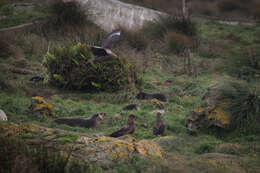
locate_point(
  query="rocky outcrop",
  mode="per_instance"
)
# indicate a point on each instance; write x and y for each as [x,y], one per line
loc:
[102,150]
[39,108]
[212,114]
[110,14]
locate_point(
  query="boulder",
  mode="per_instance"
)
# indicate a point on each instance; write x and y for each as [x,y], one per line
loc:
[3,116]
[39,108]
[213,113]
[102,150]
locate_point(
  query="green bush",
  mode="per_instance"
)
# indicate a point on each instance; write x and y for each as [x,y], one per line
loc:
[244,104]
[157,30]
[75,67]
[70,13]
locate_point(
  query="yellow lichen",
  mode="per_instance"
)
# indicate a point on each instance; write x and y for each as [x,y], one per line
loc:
[198,110]
[40,105]
[158,103]
[220,116]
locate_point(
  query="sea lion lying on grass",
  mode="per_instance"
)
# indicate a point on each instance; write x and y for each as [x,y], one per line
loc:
[92,122]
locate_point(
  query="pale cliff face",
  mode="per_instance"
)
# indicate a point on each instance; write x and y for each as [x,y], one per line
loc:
[110,14]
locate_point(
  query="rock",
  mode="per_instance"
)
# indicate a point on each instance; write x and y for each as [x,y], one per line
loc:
[161,111]
[3,116]
[40,108]
[102,149]
[116,117]
[159,104]
[213,114]
[131,107]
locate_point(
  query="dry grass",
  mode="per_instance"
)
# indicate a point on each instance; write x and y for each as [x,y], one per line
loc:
[177,42]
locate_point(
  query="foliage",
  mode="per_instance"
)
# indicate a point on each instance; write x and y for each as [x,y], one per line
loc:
[244,105]
[3,83]
[157,30]
[5,50]
[177,42]
[256,11]
[5,8]
[228,5]
[134,39]
[75,67]
[63,13]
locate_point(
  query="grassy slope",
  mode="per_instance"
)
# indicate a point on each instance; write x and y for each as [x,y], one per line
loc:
[184,93]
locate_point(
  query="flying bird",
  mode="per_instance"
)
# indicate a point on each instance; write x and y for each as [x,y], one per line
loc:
[129,128]
[159,126]
[94,121]
[106,44]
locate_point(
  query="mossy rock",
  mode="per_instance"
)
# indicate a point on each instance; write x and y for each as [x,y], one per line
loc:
[84,149]
[213,113]
[75,67]
[39,108]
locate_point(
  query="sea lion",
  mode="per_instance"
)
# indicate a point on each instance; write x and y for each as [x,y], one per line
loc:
[92,122]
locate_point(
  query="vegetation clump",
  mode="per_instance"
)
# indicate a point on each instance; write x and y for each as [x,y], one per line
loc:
[67,13]
[75,67]
[244,105]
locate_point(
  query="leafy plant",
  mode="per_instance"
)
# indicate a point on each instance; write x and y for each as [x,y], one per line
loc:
[244,105]
[75,67]
[63,13]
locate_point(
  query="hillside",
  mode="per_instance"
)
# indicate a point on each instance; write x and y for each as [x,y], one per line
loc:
[183,60]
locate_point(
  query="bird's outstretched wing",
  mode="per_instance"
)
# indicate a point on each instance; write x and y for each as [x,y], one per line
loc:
[120,132]
[111,38]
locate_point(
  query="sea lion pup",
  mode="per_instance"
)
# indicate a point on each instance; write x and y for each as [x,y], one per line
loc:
[92,122]
[158,96]
[158,127]
[129,128]
[131,107]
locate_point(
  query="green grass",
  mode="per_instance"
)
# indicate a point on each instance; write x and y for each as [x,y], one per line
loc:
[183,92]
[14,18]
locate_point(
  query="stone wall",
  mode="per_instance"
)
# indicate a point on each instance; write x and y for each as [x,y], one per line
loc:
[110,14]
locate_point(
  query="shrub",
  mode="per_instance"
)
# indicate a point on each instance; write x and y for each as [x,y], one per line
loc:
[228,5]
[244,105]
[70,13]
[5,50]
[3,83]
[134,39]
[5,8]
[177,42]
[157,30]
[75,67]
[256,11]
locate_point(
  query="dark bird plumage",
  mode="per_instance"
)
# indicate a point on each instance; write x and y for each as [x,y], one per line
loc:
[159,127]
[158,96]
[82,122]
[106,44]
[129,128]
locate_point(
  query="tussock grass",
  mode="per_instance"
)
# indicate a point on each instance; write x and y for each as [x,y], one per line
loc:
[244,105]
